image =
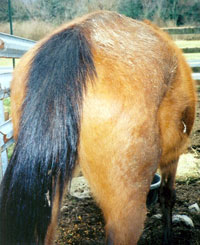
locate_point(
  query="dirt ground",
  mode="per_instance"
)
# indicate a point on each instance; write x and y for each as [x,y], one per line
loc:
[81,221]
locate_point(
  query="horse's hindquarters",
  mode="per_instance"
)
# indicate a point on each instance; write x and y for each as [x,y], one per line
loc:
[119,152]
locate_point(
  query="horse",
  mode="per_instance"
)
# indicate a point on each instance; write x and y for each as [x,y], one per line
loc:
[111,94]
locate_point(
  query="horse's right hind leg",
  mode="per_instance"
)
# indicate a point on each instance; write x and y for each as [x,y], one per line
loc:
[167,199]
[119,168]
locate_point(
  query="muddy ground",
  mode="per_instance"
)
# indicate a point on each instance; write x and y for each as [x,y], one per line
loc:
[81,221]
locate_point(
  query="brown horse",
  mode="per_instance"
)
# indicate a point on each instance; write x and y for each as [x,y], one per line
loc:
[112,94]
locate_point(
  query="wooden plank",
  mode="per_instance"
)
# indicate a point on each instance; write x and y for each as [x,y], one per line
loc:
[191,50]
[182,30]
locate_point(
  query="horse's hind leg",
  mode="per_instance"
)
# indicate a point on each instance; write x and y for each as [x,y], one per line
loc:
[122,199]
[119,165]
[167,199]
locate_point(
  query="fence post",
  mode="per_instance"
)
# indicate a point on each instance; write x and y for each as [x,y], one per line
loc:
[3,155]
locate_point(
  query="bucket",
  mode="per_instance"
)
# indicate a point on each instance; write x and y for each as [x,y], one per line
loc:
[152,196]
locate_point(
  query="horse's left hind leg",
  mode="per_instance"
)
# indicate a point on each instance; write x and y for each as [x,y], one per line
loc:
[167,199]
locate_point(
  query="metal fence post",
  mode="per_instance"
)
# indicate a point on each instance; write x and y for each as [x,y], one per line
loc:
[3,155]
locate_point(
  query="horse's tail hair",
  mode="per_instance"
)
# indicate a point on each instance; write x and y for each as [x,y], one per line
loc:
[46,149]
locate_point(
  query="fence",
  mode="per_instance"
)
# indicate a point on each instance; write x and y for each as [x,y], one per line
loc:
[10,47]
[184,33]
[15,47]
[189,33]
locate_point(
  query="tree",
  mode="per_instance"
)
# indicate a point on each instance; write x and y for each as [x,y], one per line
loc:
[131,8]
[4,10]
[58,11]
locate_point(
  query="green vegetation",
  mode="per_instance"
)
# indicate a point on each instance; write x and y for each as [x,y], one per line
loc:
[189,44]
[7,62]
[33,19]
[10,151]
[6,103]
[38,28]
[173,12]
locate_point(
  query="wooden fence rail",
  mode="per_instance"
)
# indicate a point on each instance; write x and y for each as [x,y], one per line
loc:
[182,30]
[15,47]
[184,33]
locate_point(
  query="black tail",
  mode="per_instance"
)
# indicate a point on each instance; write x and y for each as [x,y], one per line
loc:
[46,149]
